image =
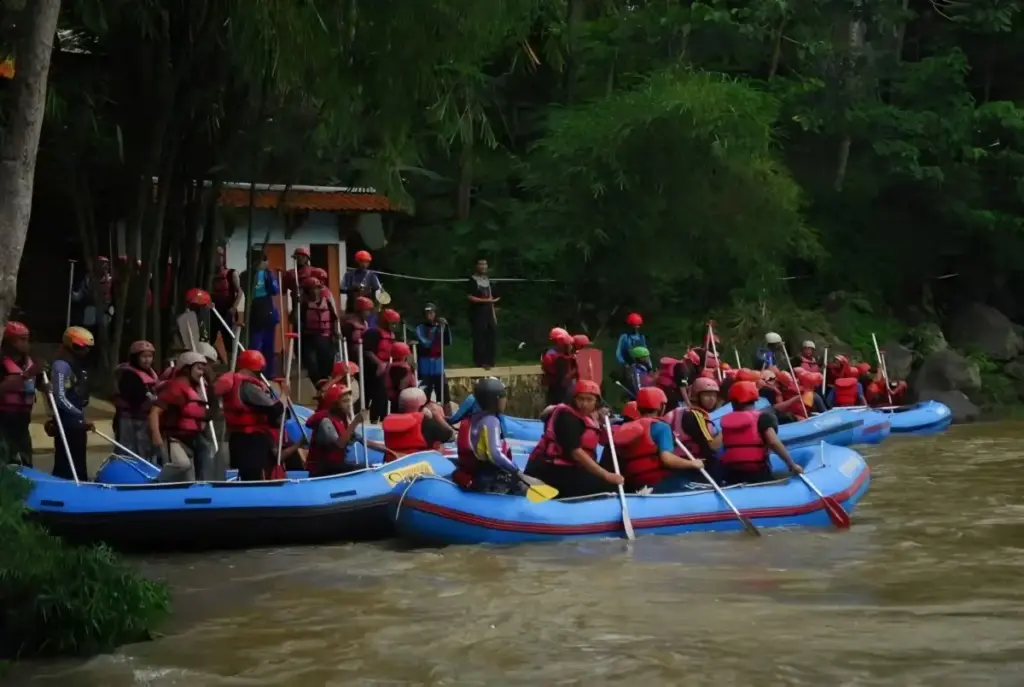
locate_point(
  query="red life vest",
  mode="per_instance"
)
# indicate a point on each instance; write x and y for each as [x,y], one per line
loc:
[675,419]
[639,455]
[407,380]
[187,421]
[809,364]
[240,417]
[223,292]
[320,455]
[358,328]
[403,434]
[467,464]
[549,450]
[290,282]
[387,339]
[549,365]
[742,443]
[845,392]
[666,379]
[16,402]
[148,379]
[317,318]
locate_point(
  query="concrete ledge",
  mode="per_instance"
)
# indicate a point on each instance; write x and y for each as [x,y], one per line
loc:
[44,444]
[500,371]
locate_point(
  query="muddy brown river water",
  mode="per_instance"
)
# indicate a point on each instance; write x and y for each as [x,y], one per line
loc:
[925,589]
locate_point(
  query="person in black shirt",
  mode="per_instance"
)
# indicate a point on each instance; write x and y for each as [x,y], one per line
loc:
[483,319]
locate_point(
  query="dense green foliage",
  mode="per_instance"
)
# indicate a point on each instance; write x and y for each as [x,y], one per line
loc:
[742,160]
[57,599]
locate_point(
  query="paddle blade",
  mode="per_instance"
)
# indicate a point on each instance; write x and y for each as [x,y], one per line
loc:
[278,472]
[540,493]
[836,513]
[749,526]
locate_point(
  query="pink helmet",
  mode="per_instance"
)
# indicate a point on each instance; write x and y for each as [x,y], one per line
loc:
[705,384]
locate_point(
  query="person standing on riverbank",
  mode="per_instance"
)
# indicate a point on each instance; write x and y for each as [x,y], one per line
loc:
[227,299]
[483,318]
[263,313]
[17,395]
[360,281]
[432,335]
[71,396]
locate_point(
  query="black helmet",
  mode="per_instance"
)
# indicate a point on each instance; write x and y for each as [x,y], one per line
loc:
[487,391]
[429,307]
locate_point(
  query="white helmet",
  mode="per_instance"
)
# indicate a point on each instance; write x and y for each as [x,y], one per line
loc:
[189,358]
[412,399]
[772,338]
[808,344]
[207,351]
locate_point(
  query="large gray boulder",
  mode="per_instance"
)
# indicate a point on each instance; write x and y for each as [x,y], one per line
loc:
[946,370]
[981,328]
[960,406]
[898,359]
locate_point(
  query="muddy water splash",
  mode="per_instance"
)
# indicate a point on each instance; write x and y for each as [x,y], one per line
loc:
[926,589]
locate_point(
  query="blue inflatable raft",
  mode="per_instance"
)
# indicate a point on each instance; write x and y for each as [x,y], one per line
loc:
[202,515]
[926,417]
[433,510]
[839,426]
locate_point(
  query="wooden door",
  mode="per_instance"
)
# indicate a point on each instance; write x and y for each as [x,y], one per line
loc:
[278,262]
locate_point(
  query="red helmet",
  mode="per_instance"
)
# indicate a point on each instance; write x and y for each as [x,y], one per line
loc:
[634,320]
[650,398]
[693,356]
[743,392]
[390,316]
[363,303]
[141,347]
[748,375]
[557,333]
[586,386]
[853,372]
[731,374]
[320,273]
[332,395]
[630,412]
[864,368]
[704,384]
[710,360]
[301,251]
[363,256]
[580,341]
[251,360]
[198,297]
[311,283]
[400,351]
[15,330]
[786,380]
[563,339]
[342,367]
[706,373]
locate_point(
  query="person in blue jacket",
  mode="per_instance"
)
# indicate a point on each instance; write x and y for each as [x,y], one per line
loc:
[431,335]
[70,387]
[771,353]
[263,313]
[630,340]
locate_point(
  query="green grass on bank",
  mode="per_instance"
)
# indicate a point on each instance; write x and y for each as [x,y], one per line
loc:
[62,600]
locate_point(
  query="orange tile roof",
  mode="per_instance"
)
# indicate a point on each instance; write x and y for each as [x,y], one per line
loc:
[7,68]
[325,201]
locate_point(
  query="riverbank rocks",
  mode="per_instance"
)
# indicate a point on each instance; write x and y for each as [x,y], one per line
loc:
[946,371]
[959,405]
[981,328]
[899,360]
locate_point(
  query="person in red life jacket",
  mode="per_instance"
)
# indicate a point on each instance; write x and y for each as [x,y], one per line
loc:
[177,423]
[646,448]
[332,433]
[341,371]
[136,382]
[847,391]
[355,325]
[484,463]
[566,456]
[810,395]
[863,373]
[199,302]
[377,344]
[693,426]
[836,369]
[807,359]
[227,298]
[413,428]
[787,401]
[399,375]
[252,415]
[21,377]
[559,369]
[747,437]
[320,324]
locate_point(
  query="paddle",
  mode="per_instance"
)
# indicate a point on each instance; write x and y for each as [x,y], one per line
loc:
[836,513]
[60,429]
[714,350]
[627,524]
[537,493]
[278,471]
[824,372]
[747,524]
[792,373]
[881,366]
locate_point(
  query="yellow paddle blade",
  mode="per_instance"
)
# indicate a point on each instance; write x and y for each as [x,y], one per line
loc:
[808,397]
[541,493]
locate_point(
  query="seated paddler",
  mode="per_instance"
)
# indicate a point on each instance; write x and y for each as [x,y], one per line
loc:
[414,427]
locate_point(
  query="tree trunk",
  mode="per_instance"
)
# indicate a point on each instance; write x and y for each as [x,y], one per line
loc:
[20,145]
[853,86]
